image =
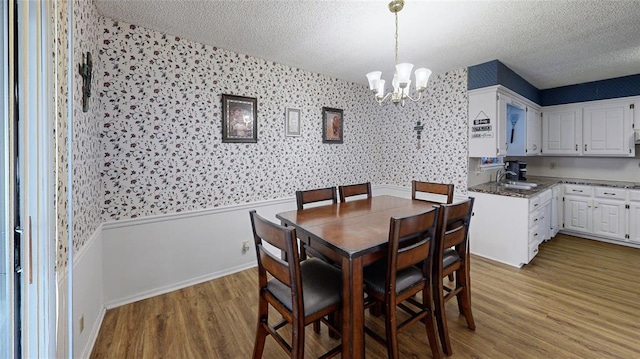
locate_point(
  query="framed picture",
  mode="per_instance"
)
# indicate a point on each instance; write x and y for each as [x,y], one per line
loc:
[292,123]
[239,119]
[332,123]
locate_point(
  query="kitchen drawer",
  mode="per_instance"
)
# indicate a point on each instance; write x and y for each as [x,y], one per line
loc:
[534,235]
[545,197]
[634,195]
[533,250]
[535,218]
[611,193]
[578,190]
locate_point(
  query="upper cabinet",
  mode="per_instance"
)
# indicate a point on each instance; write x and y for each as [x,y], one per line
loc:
[487,132]
[598,128]
[561,130]
[499,124]
[534,132]
[608,129]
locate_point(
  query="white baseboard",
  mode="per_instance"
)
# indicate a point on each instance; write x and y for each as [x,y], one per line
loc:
[176,286]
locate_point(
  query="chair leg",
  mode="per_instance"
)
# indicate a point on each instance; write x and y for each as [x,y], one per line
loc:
[297,340]
[391,330]
[316,326]
[464,297]
[441,316]
[450,277]
[430,323]
[261,332]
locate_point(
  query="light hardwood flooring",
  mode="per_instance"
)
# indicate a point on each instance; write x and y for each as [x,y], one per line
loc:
[577,299]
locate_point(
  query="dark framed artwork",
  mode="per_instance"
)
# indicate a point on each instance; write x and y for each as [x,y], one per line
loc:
[332,124]
[239,119]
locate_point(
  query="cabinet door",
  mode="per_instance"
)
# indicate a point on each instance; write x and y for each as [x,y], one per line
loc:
[534,132]
[607,130]
[556,210]
[484,129]
[634,222]
[501,125]
[609,219]
[562,132]
[577,213]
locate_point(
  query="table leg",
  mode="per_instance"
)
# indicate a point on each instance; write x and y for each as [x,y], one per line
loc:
[352,309]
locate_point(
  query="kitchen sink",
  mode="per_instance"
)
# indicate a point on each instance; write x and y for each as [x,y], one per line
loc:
[518,185]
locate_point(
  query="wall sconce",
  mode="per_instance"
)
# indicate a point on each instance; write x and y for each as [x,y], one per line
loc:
[86,72]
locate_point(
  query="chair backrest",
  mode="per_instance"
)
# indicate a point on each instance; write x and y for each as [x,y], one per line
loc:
[410,243]
[354,190]
[315,195]
[433,188]
[453,229]
[287,271]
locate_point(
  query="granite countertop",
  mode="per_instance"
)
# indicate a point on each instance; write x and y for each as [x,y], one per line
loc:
[546,183]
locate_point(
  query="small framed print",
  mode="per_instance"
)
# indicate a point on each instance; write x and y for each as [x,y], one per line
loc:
[332,124]
[292,125]
[239,119]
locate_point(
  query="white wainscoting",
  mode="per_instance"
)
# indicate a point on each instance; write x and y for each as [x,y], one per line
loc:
[62,338]
[88,299]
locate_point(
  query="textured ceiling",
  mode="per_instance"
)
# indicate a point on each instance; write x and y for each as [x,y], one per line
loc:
[549,43]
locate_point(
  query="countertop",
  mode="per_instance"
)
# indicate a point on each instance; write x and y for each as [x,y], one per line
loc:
[546,183]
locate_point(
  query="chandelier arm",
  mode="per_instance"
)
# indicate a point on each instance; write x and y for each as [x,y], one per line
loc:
[385,98]
[415,99]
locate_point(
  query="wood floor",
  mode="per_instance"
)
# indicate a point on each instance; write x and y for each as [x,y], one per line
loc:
[577,299]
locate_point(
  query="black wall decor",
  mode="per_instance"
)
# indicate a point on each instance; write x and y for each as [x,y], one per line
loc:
[86,69]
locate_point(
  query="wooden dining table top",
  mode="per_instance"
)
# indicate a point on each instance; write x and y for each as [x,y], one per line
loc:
[357,227]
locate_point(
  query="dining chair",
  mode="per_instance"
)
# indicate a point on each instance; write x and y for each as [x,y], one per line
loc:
[302,292]
[431,188]
[354,190]
[315,195]
[452,257]
[394,281]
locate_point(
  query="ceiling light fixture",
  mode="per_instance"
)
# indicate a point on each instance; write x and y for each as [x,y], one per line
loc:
[402,77]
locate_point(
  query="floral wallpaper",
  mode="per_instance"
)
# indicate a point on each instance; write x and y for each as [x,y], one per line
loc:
[443,153]
[162,127]
[87,154]
[87,157]
[60,132]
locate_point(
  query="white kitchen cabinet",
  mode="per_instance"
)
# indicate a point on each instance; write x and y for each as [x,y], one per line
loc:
[608,129]
[556,210]
[609,218]
[634,216]
[534,132]
[577,208]
[508,229]
[495,113]
[487,132]
[562,130]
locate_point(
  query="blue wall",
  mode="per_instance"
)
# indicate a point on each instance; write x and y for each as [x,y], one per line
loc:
[590,91]
[496,73]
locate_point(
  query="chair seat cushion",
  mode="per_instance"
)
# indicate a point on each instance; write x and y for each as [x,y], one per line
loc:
[321,286]
[450,257]
[375,275]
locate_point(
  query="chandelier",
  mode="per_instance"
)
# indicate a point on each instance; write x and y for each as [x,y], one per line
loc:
[402,77]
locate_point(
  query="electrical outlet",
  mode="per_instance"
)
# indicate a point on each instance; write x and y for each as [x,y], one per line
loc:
[245,246]
[552,165]
[81,323]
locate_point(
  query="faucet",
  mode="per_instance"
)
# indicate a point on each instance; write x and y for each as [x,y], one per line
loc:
[501,172]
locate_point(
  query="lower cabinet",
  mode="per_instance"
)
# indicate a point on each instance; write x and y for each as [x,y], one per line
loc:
[609,219]
[509,229]
[634,216]
[577,208]
[603,212]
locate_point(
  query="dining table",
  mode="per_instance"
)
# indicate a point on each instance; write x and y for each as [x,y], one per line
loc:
[352,234]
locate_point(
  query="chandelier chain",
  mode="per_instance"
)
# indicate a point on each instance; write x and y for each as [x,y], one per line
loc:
[396,38]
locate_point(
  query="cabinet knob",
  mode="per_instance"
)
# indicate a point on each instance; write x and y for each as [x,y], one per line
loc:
[576,146]
[585,147]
